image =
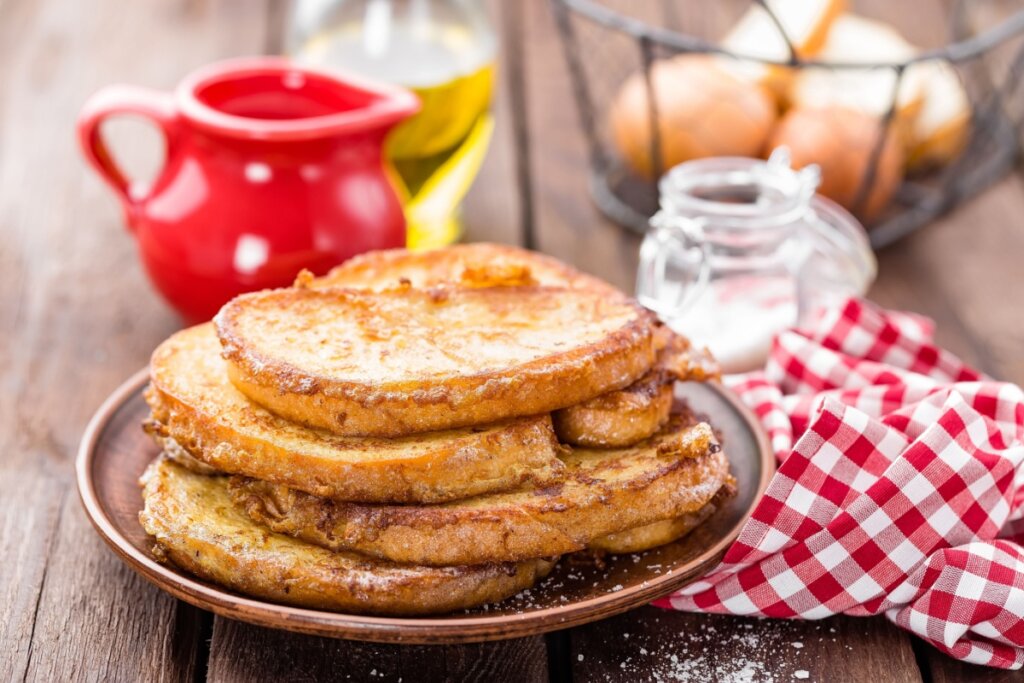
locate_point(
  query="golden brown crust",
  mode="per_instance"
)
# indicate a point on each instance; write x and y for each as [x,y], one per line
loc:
[641,538]
[407,361]
[603,492]
[619,418]
[682,361]
[630,415]
[196,526]
[198,411]
[476,265]
[649,536]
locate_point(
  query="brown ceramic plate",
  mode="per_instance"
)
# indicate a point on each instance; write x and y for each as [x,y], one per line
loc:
[115,451]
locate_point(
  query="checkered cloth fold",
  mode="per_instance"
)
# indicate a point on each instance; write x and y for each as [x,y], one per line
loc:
[900,489]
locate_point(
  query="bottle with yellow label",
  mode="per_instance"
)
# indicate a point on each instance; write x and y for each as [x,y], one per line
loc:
[444,51]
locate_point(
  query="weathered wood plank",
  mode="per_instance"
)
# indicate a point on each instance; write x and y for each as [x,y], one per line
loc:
[651,644]
[98,620]
[493,207]
[76,318]
[567,223]
[972,260]
[240,652]
[938,668]
[906,282]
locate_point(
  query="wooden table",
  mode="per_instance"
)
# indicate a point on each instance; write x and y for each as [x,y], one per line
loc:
[77,317]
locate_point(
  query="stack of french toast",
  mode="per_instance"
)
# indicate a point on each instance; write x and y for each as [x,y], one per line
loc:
[417,433]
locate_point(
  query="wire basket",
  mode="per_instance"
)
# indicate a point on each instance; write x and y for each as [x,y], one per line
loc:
[606,42]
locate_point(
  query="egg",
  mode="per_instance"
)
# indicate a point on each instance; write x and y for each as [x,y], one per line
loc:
[841,142]
[703,111]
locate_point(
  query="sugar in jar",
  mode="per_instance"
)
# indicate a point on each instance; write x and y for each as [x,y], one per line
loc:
[742,249]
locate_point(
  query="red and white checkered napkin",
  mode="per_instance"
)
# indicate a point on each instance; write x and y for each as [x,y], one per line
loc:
[906,467]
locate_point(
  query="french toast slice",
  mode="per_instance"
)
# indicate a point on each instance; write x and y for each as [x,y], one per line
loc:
[652,535]
[398,362]
[641,538]
[478,264]
[619,418]
[627,416]
[196,527]
[603,492]
[196,409]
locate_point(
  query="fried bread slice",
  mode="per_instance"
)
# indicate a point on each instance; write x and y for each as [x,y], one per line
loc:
[196,409]
[649,536]
[398,362]
[603,492]
[627,416]
[479,264]
[619,418]
[195,526]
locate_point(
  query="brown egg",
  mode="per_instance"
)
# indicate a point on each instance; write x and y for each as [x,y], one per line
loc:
[703,111]
[841,141]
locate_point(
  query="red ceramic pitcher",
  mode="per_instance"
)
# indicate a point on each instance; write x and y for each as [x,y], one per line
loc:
[269,168]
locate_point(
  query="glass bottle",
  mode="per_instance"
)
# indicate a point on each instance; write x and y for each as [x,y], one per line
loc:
[444,51]
[742,249]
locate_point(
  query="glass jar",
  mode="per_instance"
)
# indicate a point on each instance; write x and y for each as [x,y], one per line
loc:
[444,51]
[742,249]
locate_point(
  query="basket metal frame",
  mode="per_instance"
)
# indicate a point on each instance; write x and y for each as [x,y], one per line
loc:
[991,151]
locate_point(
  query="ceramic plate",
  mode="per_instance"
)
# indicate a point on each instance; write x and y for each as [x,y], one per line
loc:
[115,451]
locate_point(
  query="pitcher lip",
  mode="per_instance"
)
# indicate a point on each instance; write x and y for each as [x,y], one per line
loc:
[389,104]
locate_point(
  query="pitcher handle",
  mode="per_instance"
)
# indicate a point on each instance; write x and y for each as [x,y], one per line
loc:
[667,243]
[154,105]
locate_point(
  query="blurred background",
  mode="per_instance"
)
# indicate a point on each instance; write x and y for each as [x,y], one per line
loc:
[536,115]
[526,163]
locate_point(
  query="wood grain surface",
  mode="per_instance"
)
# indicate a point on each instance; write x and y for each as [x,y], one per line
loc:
[650,643]
[238,653]
[77,317]
[75,314]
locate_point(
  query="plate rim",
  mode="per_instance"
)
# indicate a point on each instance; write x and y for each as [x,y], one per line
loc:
[369,628]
